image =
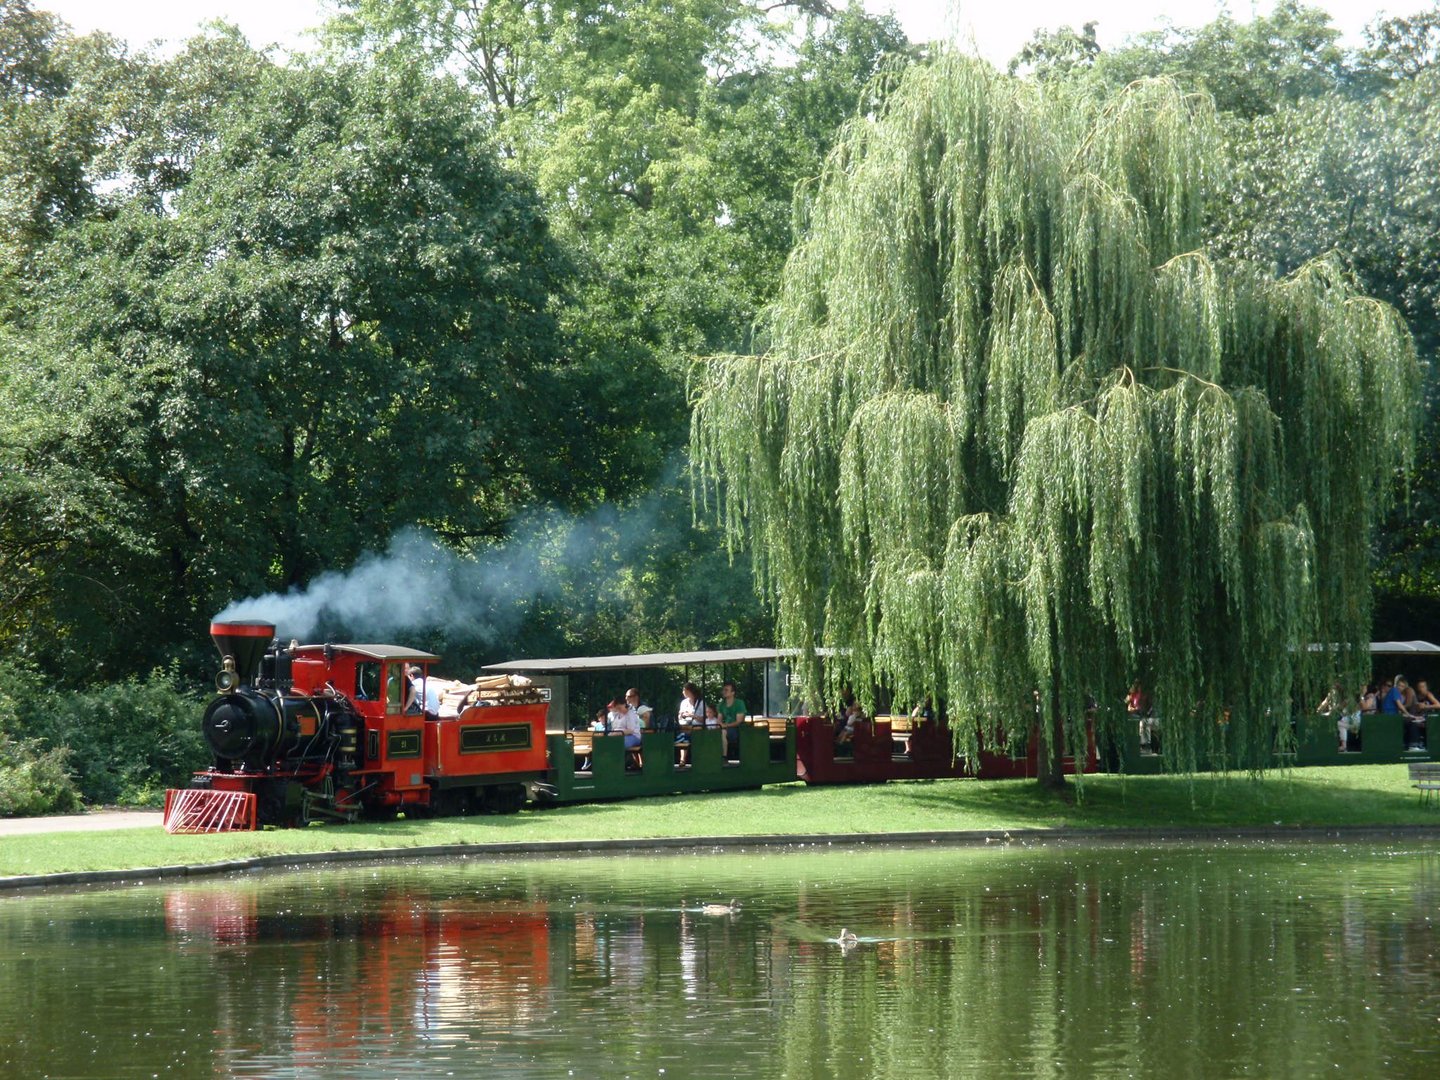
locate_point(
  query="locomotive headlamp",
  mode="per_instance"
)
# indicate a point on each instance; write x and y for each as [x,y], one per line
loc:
[227,680]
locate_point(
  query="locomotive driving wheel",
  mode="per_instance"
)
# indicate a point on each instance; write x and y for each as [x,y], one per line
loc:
[452,802]
[280,803]
[503,798]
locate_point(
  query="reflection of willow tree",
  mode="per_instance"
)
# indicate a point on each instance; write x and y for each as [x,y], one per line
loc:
[1015,431]
[1110,963]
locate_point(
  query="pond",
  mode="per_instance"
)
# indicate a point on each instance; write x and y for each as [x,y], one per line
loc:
[1225,960]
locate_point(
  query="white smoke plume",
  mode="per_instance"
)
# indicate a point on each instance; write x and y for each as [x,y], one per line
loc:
[418,583]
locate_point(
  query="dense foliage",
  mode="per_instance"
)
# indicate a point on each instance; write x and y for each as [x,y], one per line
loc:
[258,317]
[1041,439]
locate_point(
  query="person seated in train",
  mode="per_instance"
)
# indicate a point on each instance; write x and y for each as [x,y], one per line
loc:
[1369,700]
[601,723]
[614,713]
[626,721]
[1425,701]
[690,714]
[1140,708]
[414,689]
[633,703]
[1345,711]
[1391,695]
[732,713]
[1407,697]
[854,719]
[1411,713]
[923,712]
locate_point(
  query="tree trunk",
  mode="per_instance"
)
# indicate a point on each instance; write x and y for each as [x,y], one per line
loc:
[1049,759]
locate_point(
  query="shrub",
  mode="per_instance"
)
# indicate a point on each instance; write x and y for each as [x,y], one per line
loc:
[124,742]
[34,780]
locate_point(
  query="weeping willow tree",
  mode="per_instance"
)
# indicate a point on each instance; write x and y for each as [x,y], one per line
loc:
[1017,440]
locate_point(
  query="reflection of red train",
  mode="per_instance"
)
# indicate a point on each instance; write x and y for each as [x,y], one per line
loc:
[321,731]
[411,963]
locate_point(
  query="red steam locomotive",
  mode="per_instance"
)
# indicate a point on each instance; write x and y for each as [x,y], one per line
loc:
[301,733]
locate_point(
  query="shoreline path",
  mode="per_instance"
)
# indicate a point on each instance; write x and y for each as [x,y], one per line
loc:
[95,821]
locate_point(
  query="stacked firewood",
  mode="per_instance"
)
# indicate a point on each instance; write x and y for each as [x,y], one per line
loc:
[489,690]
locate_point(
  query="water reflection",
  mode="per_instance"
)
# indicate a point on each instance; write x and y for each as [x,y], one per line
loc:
[1223,961]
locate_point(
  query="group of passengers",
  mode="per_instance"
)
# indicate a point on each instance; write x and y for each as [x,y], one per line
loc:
[632,719]
[1393,697]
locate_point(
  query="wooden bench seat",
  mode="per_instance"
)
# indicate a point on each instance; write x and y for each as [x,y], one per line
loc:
[583,745]
[1425,778]
[901,728]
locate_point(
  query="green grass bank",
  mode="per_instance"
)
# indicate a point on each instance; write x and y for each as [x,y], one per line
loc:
[1374,795]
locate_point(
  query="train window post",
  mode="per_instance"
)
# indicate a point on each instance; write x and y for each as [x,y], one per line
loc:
[394,687]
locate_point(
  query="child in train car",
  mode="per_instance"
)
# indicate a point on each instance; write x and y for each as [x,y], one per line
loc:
[712,715]
[854,718]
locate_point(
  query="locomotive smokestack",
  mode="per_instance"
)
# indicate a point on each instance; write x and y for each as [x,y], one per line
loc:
[246,642]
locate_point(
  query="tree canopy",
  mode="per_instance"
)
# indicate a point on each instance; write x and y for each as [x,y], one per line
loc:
[336,319]
[1018,439]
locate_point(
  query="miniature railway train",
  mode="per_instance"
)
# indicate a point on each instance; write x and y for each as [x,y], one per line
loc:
[301,733]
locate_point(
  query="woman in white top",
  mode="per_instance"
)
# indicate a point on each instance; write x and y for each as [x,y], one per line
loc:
[692,710]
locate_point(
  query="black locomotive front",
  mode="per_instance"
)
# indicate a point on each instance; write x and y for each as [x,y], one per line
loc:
[258,723]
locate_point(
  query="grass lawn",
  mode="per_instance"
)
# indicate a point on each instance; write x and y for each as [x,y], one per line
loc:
[1377,795]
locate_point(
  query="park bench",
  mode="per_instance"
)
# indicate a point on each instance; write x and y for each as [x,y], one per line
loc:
[1425,778]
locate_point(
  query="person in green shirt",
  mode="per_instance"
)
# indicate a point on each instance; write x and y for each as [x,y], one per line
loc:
[732,712]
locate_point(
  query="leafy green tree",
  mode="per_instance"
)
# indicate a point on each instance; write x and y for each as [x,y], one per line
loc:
[1291,54]
[1403,46]
[46,141]
[1041,443]
[666,139]
[1062,52]
[667,142]
[1354,177]
[338,323]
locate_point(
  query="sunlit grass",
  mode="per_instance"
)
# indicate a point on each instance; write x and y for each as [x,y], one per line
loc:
[1377,795]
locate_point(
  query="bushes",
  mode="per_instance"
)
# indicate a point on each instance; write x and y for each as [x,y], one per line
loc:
[34,780]
[122,743]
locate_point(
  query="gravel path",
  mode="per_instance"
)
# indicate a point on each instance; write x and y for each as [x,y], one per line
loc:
[95,821]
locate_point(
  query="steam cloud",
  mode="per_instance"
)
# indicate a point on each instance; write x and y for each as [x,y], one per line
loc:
[417,583]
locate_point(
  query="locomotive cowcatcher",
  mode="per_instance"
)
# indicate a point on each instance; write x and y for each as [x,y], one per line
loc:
[308,732]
